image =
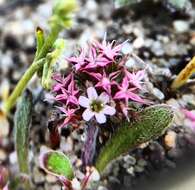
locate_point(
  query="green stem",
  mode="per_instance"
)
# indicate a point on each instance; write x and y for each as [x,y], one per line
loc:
[10,102]
[36,65]
[49,42]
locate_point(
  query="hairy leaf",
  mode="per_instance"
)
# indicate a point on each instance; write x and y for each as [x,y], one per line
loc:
[151,123]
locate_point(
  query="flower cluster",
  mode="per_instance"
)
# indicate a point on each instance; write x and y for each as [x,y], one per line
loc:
[98,85]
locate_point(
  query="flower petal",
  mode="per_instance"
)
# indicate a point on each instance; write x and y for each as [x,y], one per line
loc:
[92,94]
[100,117]
[108,110]
[84,102]
[104,97]
[87,114]
[135,97]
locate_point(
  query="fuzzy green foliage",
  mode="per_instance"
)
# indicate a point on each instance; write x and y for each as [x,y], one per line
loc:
[50,63]
[22,120]
[57,164]
[150,124]
[62,13]
[61,18]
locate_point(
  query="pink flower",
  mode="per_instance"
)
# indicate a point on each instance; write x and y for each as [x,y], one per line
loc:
[96,106]
[135,78]
[69,114]
[61,82]
[78,61]
[67,91]
[94,59]
[126,93]
[96,66]
[106,82]
[108,49]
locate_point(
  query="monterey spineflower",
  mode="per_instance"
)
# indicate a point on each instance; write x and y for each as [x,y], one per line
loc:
[98,86]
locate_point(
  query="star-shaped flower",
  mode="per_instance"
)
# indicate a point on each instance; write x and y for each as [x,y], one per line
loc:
[70,116]
[135,78]
[108,49]
[61,82]
[94,59]
[106,82]
[126,93]
[78,61]
[69,93]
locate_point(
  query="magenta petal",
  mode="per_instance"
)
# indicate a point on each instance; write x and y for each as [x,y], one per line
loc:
[119,95]
[189,114]
[135,97]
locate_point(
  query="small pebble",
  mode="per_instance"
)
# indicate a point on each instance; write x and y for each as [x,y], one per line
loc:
[129,159]
[158,94]
[138,42]
[38,176]
[181,26]
[102,188]
[127,48]
[131,171]
[13,158]
[174,153]
[51,178]
[138,168]
[130,63]
[157,48]
[170,139]
[3,155]
[192,40]
[170,164]
[4,125]
[142,162]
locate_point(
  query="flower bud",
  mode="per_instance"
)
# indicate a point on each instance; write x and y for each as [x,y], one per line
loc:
[62,13]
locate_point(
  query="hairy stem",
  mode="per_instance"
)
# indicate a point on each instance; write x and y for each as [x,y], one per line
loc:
[90,144]
[21,85]
[35,66]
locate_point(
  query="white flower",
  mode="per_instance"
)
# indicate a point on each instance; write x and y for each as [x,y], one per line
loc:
[96,105]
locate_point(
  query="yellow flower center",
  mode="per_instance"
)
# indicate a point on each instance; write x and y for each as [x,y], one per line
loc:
[96,106]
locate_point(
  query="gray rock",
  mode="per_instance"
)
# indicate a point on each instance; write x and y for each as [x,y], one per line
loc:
[38,177]
[138,168]
[157,48]
[181,26]
[129,160]
[102,188]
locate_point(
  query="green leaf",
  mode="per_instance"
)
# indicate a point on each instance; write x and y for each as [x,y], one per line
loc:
[22,120]
[40,39]
[150,124]
[58,164]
